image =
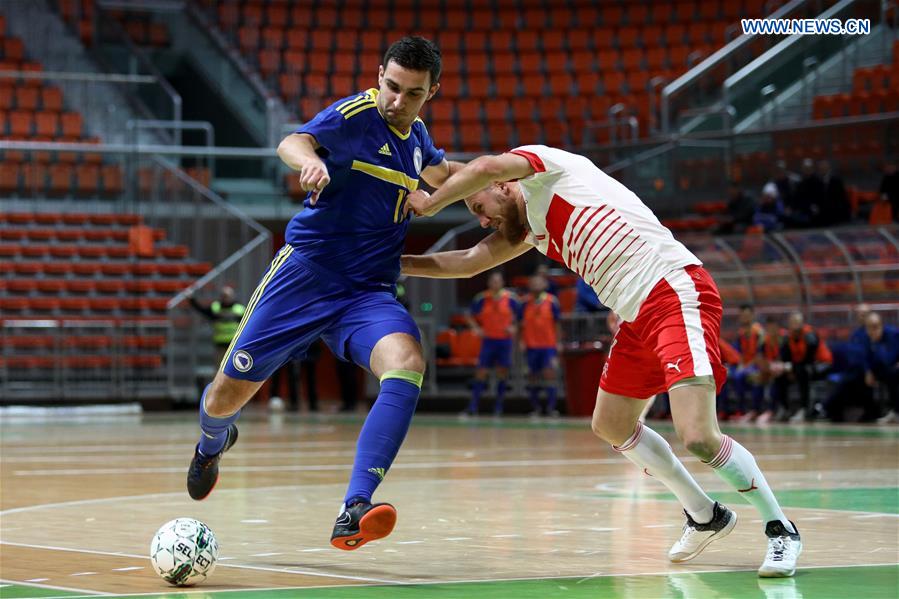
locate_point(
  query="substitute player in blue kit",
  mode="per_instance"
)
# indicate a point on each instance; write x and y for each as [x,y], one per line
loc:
[335,278]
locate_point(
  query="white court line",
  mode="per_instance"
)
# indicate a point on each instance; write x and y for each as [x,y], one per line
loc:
[83,574]
[180,456]
[488,580]
[238,566]
[130,568]
[140,447]
[54,587]
[342,467]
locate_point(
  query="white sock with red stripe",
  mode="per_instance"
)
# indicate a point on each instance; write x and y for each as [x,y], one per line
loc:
[652,454]
[736,466]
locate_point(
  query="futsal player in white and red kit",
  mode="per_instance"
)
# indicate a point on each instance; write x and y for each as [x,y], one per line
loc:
[566,207]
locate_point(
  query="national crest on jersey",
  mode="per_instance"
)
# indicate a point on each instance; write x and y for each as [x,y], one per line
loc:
[356,228]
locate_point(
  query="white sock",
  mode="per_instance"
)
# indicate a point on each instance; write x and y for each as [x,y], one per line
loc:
[652,454]
[736,466]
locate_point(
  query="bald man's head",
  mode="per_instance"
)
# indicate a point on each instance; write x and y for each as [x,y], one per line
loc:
[874,326]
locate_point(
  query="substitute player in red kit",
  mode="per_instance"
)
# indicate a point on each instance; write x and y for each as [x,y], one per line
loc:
[540,339]
[566,207]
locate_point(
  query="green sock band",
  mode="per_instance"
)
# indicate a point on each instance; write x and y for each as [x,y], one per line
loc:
[416,378]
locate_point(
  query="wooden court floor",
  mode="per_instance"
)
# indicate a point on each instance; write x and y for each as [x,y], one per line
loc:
[486,509]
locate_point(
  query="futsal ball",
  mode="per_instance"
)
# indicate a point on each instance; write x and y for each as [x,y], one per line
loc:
[184,552]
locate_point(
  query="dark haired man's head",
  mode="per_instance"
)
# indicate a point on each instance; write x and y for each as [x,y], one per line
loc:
[495,281]
[407,79]
[747,315]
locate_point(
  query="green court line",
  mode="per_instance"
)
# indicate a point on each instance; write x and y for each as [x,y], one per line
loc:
[861,499]
[19,591]
[870,582]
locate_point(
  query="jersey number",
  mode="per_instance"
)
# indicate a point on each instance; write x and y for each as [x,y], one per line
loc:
[398,211]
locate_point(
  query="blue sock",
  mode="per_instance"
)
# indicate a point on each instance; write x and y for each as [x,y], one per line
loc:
[477,388]
[500,395]
[214,430]
[533,396]
[383,432]
[551,398]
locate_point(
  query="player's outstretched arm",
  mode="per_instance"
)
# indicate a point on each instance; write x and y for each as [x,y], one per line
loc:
[298,152]
[489,253]
[477,174]
[437,175]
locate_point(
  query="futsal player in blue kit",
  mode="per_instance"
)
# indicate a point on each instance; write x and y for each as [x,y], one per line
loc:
[335,278]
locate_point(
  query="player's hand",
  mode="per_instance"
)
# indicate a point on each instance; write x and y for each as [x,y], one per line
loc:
[417,203]
[314,177]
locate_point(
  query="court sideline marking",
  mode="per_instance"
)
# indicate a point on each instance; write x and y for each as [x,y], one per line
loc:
[449,582]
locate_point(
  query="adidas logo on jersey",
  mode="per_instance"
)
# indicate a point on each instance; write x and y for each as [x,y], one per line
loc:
[385,149]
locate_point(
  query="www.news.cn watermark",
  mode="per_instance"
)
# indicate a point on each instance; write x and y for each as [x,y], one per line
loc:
[806,26]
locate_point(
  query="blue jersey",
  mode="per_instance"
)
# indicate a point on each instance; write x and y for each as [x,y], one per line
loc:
[356,228]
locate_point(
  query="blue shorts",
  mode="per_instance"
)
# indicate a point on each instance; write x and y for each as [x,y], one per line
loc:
[296,303]
[495,353]
[541,359]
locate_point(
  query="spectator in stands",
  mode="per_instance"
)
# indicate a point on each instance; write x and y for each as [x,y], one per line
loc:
[889,187]
[803,357]
[873,360]
[785,181]
[803,206]
[540,336]
[225,314]
[833,206]
[587,301]
[745,373]
[494,314]
[740,211]
[882,362]
[551,287]
[860,334]
[769,355]
[770,211]
[730,357]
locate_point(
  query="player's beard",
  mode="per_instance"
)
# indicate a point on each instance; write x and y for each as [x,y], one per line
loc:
[512,228]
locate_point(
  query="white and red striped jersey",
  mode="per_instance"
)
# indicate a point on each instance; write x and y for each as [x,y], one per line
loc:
[597,227]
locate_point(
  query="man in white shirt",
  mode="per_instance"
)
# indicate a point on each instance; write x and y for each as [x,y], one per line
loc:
[566,207]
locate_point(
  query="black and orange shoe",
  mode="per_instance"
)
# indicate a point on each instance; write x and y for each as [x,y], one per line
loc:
[362,522]
[204,470]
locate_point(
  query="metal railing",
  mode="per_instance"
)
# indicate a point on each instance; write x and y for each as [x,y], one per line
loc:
[700,86]
[84,91]
[677,171]
[235,247]
[792,60]
[275,112]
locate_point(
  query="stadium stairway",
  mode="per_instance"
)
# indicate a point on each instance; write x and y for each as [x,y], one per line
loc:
[50,44]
